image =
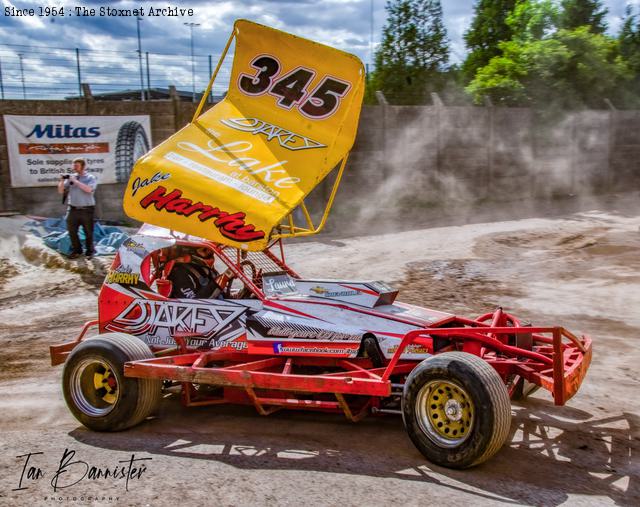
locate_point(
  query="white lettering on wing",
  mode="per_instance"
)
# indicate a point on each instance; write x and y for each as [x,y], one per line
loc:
[271,173]
[219,177]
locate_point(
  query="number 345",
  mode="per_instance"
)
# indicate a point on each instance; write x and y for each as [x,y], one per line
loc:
[291,89]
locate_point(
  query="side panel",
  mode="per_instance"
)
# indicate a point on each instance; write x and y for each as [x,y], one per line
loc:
[297,328]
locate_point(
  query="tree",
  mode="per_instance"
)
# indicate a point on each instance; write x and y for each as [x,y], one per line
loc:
[414,50]
[577,13]
[533,20]
[629,40]
[569,69]
[488,29]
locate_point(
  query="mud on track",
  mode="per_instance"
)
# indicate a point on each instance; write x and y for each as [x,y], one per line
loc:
[581,271]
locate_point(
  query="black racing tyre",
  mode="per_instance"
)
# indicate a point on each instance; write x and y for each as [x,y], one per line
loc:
[131,144]
[96,390]
[456,409]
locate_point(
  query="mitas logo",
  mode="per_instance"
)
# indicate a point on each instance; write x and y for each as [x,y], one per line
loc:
[67,131]
[230,225]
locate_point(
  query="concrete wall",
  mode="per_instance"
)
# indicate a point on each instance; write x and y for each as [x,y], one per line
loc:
[167,116]
[418,153]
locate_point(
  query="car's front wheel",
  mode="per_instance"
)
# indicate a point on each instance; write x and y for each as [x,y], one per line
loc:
[96,390]
[456,409]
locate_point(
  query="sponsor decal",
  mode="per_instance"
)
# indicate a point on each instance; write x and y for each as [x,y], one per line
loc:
[211,343]
[165,318]
[281,284]
[285,138]
[135,247]
[279,348]
[264,325]
[242,183]
[139,183]
[234,156]
[63,131]
[123,277]
[230,225]
[30,148]
[324,292]
[315,334]
[411,349]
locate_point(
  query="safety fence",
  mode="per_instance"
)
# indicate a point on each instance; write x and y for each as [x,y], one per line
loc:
[49,72]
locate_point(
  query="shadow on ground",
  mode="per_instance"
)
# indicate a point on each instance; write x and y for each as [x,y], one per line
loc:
[554,452]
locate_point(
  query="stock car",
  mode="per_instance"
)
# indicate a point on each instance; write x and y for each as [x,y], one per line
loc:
[275,340]
[215,313]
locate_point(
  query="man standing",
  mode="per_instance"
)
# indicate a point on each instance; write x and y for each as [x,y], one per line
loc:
[81,187]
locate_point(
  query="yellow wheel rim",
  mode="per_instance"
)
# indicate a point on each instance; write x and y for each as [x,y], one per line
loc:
[94,387]
[105,383]
[445,412]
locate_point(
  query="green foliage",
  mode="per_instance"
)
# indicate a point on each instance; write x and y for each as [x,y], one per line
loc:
[531,20]
[568,69]
[488,29]
[576,13]
[629,40]
[412,54]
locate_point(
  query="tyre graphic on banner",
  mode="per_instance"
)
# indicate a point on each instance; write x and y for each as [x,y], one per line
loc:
[132,143]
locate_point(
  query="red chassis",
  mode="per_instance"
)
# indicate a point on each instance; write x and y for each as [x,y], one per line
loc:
[557,362]
[547,357]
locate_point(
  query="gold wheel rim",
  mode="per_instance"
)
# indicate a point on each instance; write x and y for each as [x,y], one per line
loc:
[94,387]
[445,412]
[105,384]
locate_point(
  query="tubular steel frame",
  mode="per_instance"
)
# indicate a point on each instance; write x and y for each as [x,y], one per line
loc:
[556,361]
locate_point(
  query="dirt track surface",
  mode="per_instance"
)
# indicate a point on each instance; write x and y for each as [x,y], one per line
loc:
[581,271]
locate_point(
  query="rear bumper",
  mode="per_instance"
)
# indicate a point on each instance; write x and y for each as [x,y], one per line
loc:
[570,365]
[60,351]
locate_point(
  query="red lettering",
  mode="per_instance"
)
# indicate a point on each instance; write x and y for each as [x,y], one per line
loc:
[196,207]
[230,225]
[228,220]
[159,198]
[178,206]
[214,212]
[246,233]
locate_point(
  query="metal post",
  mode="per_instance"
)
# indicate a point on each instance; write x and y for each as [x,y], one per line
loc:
[148,79]
[1,83]
[193,67]
[24,90]
[78,69]
[210,72]
[138,19]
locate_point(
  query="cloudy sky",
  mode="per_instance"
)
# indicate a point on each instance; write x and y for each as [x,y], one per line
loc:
[108,44]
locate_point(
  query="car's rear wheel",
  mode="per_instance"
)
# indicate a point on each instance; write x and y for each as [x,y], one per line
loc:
[456,409]
[96,390]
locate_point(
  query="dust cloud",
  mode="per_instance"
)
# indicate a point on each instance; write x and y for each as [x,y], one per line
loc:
[460,163]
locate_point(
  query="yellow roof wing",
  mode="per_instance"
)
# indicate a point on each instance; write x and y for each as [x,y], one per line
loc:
[233,174]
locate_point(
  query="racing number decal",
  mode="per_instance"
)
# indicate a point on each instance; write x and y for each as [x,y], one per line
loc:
[267,68]
[291,89]
[325,99]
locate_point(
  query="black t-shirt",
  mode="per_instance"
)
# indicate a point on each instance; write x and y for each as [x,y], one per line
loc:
[193,280]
